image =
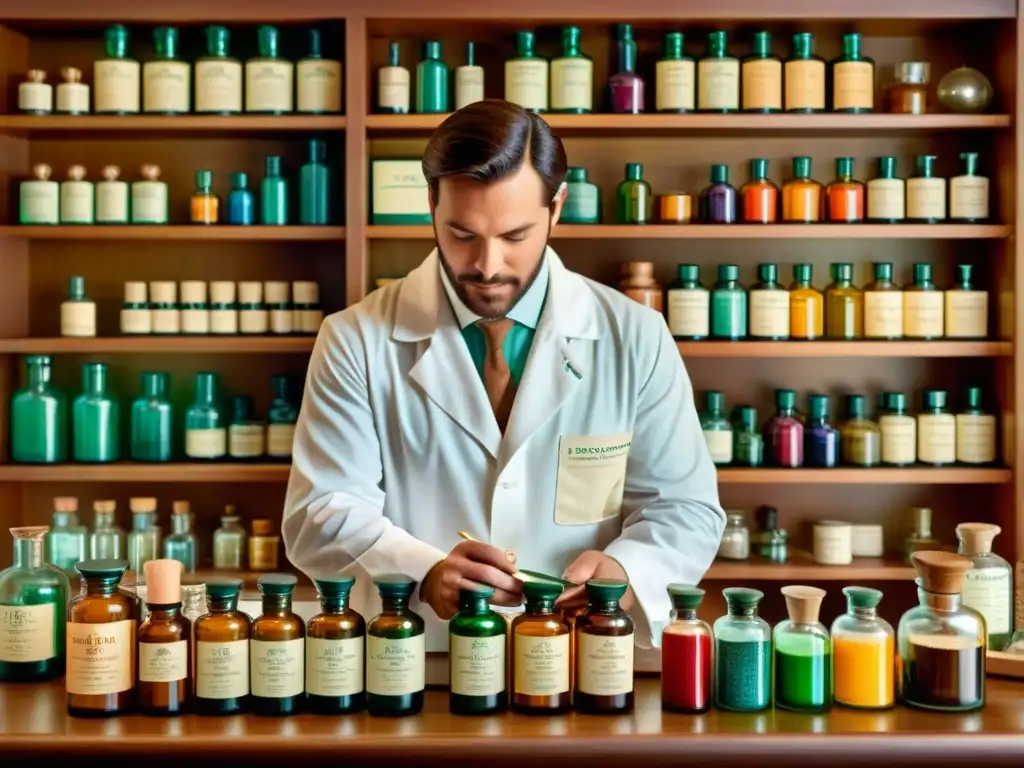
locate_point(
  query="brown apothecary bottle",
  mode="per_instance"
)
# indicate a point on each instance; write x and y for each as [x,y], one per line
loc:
[164,668]
[541,679]
[909,94]
[220,660]
[604,651]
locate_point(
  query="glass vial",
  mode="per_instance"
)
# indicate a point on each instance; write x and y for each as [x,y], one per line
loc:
[863,655]
[526,75]
[477,639]
[936,430]
[844,197]
[395,652]
[229,542]
[801,195]
[966,307]
[165,643]
[899,432]
[315,187]
[759,197]
[887,194]
[281,417]
[469,80]
[821,439]
[883,305]
[273,194]
[246,434]
[717,204]
[335,651]
[222,651]
[106,540]
[686,654]
[144,537]
[604,651]
[803,654]
[277,650]
[728,305]
[853,78]
[784,432]
[541,657]
[844,306]
[743,663]
[923,306]
[633,197]
[735,543]
[181,544]
[204,205]
[241,207]
[689,305]
[748,444]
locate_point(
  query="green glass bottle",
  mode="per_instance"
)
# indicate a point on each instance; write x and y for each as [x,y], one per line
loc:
[761,76]
[181,545]
[274,195]
[717,428]
[803,654]
[277,650]
[315,187]
[748,443]
[633,199]
[247,435]
[39,417]
[335,651]
[582,200]
[674,75]
[476,656]
[33,607]
[152,419]
[64,546]
[281,418]
[106,540]
[96,418]
[572,76]
[205,425]
[728,305]
[395,652]
[218,76]
[432,81]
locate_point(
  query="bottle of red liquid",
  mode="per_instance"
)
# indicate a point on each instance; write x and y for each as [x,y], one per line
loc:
[686,654]
[784,432]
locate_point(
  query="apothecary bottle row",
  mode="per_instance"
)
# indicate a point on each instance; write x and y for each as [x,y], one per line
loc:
[169,84]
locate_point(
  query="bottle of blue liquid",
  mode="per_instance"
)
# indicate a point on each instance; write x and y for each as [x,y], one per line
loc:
[241,207]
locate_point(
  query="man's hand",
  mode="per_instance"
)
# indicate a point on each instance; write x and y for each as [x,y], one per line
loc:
[468,562]
[592,565]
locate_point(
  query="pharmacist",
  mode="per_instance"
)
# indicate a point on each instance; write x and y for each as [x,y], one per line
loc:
[495,392]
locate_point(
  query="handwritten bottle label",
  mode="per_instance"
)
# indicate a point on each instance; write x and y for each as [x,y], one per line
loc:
[975,438]
[395,667]
[988,591]
[936,438]
[883,314]
[966,314]
[762,84]
[541,665]
[100,658]
[968,197]
[222,669]
[26,633]
[605,664]
[719,84]
[163,662]
[218,85]
[477,665]
[276,668]
[899,439]
[334,667]
[572,84]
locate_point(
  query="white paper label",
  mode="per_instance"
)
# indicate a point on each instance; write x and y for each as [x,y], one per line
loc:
[968,197]
[195,321]
[116,85]
[206,443]
[73,97]
[676,88]
[165,320]
[989,592]
[899,439]
[975,438]
[923,313]
[26,633]
[163,662]
[101,657]
[469,86]
[334,667]
[276,668]
[246,441]
[719,445]
[769,314]
[224,321]
[308,320]
[222,669]
[887,199]
[966,314]
[268,86]
[541,665]
[35,97]
[281,321]
[76,202]
[854,85]
[526,83]
[40,202]
[833,544]
[112,202]
[165,86]
[279,440]
[689,312]
[936,438]
[572,84]
[605,664]
[395,667]
[399,188]
[719,83]
[883,314]
[136,321]
[253,321]
[77,318]
[319,85]
[218,85]
[926,198]
[393,88]
[477,665]
[149,202]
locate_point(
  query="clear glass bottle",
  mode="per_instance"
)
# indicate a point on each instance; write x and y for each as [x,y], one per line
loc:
[768,301]
[247,435]
[923,306]
[65,543]
[675,77]
[229,545]
[936,430]
[77,311]
[748,443]
[144,537]
[625,87]
[988,585]
[477,639]
[39,417]
[193,601]
[96,418]
[604,651]
[165,644]
[106,541]
[804,76]
[281,417]
[844,306]
[335,651]
[743,654]
[181,544]
[101,615]
[395,652]
[264,547]
[269,77]
[821,438]
[803,653]
[941,643]
[762,76]
[735,543]
[860,438]
[541,656]
[277,650]
[717,429]
[33,609]
[909,94]
[975,431]
[206,436]
[863,653]
[771,542]
[919,538]
[222,651]
[686,654]
[315,183]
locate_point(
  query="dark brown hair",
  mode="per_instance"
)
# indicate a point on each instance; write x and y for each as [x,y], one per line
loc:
[490,139]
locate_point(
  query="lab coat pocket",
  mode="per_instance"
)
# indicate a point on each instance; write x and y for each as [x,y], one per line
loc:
[591,477]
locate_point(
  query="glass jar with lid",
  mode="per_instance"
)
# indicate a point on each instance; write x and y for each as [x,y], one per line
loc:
[803,653]
[909,94]
[735,543]
[863,652]
[743,654]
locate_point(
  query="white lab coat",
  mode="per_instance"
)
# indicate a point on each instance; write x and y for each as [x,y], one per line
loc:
[397,450]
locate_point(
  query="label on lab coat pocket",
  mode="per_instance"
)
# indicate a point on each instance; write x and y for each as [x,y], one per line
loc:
[591,477]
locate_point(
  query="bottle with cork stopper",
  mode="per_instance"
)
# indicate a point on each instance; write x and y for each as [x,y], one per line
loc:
[77,311]
[308,316]
[72,93]
[279,309]
[639,283]
[195,312]
[106,540]
[163,307]
[77,198]
[252,314]
[263,546]
[803,653]
[111,197]
[35,95]
[988,585]
[941,642]
[181,544]
[149,197]
[223,309]
[39,197]
[144,537]
[64,546]
[229,541]
[164,677]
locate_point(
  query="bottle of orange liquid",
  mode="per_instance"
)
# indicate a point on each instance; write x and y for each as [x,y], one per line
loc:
[759,197]
[806,306]
[801,195]
[844,197]
[204,207]
[863,650]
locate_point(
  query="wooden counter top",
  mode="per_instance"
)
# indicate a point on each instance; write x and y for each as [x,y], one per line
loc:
[33,724]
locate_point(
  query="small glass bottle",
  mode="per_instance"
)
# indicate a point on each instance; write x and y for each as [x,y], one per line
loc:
[926,193]
[241,205]
[35,95]
[315,187]
[476,655]
[152,418]
[887,194]
[318,80]
[784,432]
[718,200]
[65,542]
[111,197]
[759,197]
[604,651]
[638,282]
[395,652]
[572,76]
[218,76]
[96,417]
[101,616]
[149,197]
[39,197]
[941,642]
[748,444]
[432,81]
[844,197]
[761,77]
[165,643]
[718,77]
[860,438]
[269,77]
[675,77]
[717,429]
[968,192]
[246,434]
[686,654]
[975,431]
[735,543]
[277,650]
[936,430]
[144,537]
[223,309]
[743,654]
[308,314]
[116,77]
[193,601]
[883,305]
[768,301]
[853,78]
[77,311]
[844,306]
[821,439]
[204,206]
[136,318]
[625,87]
[923,306]
[728,305]
[920,538]
[253,317]
[167,79]
[909,94]
[988,586]
[393,84]
[72,93]
[801,195]
[106,540]
[803,654]
[583,199]
[264,546]
[806,305]
[804,76]
[772,542]
[39,417]
[281,417]
[863,655]
[181,544]
[899,432]
[469,80]
[77,198]
[689,305]
[206,436]
[229,544]
[633,197]
[335,651]
[541,658]
[33,609]
[221,639]
[966,313]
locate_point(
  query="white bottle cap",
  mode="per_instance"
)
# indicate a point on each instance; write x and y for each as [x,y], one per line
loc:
[163,292]
[250,293]
[135,292]
[305,292]
[277,291]
[222,292]
[193,291]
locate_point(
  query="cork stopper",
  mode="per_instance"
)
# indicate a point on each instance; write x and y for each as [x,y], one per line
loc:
[250,293]
[42,172]
[110,172]
[262,527]
[76,172]
[36,76]
[65,504]
[940,572]
[163,291]
[305,292]
[150,172]
[139,505]
[230,510]
[803,603]
[135,292]
[181,508]
[163,581]
[31,532]
[276,292]
[222,292]
[638,269]
[977,537]
[193,291]
[71,74]
[104,506]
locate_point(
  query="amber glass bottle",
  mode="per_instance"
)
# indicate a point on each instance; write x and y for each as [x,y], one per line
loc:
[277,650]
[164,677]
[221,658]
[101,625]
[335,650]
[801,195]
[395,652]
[604,651]
[844,306]
[541,653]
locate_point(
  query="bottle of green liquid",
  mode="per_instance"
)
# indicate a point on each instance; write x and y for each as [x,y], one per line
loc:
[728,305]
[152,417]
[315,187]
[476,655]
[395,652]
[281,418]
[64,545]
[633,197]
[803,654]
[95,429]
[743,648]
[206,435]
[432,81]
[274,195]
[39,417]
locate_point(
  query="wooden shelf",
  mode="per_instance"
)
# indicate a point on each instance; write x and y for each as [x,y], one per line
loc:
[170,232]
[127,472]
[800,568]
[197,345]
[737,232]
[172,125]
[820,349]
[919,475]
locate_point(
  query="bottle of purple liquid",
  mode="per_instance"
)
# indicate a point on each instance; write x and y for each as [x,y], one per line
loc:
[718,202]
[821,439]
[626,88]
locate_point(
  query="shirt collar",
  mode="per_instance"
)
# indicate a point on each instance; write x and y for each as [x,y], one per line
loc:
[526,311]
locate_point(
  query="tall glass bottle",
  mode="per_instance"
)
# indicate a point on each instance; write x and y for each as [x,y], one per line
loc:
[181,544]
[274,195]
[923,306]
[604,651]
[988,585]
[39,417]
[469,80]
[335,651]
[844,197]
[899,432]
[218,76]
[572,76]
[728,305]
[166,80]
[771,542]
[686,654]
[116,76]
[966,307]
[821,439]
[541,656]
[803,654]
[205,424]
[393,84]
[716,427]
[633,197]
[806,305]
[395,652]
[152,419]
[315,187]
[769,305]
[33,607]
[675,77]
[762,77]
[204,205]
[844,306]
[65,543]
[626,87]
[968,193]
[926,192]
[281,418]
[804,76]
[221,659]
[801,194]
[432,81]
[718,77]
[269,78]
[941,642]
[860,438]
[101,616]
[144,537]
[936,430]
[853,78]
[277,650]
[106,540]
[229,545]
[784,432]
[743,654]
[526,75]
[717,204]
[476,655]
[318,80]
[863,658]
[165,643]
[96,418]
[759,197]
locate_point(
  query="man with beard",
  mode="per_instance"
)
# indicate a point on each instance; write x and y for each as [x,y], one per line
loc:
[494,392]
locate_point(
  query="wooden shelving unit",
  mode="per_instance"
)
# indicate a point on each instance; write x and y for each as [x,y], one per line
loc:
[183,233]
[172,126]
[844,349]
[195,345]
